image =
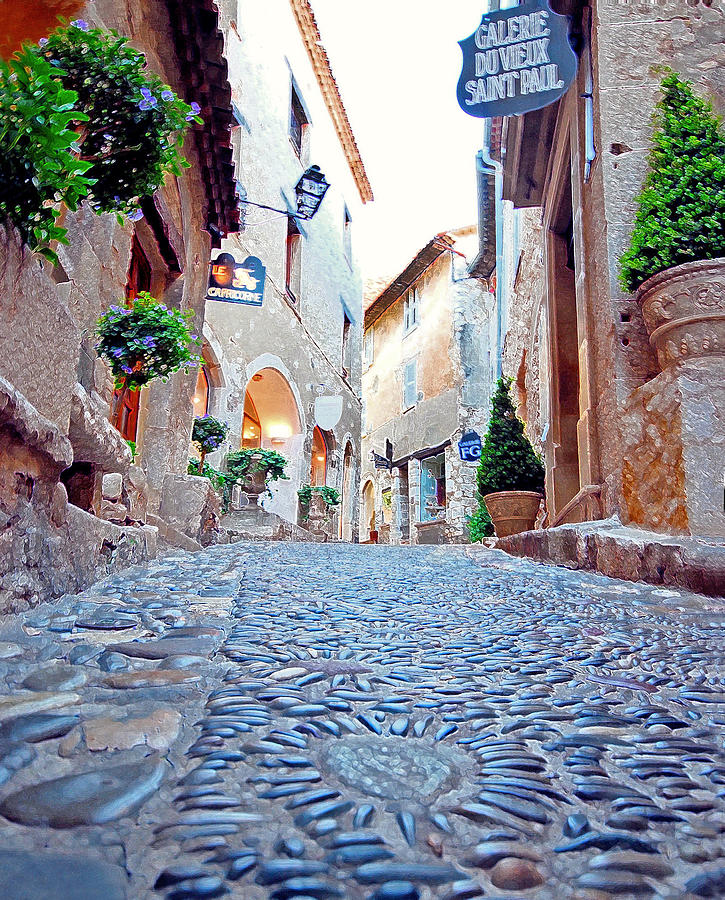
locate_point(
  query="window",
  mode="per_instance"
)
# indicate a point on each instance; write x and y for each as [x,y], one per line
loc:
[368,347]
[387,498]
[251,426]
[347,234]
[346,329]
[318,462]
[411,310]
[138,279]
[298,122]
[293,274]
[201,394]
[433,488]
[410,384]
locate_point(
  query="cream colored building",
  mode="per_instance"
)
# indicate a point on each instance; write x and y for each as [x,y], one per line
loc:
[427,376]
[267,365]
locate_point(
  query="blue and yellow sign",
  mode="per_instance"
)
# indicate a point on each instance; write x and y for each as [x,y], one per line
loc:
[234,282]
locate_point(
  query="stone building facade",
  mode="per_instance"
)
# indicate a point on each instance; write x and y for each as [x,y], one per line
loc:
[268,365]
[73,503]
[622,435]
[427,377]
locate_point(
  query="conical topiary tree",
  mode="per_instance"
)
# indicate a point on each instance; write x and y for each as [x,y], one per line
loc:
[508,461]
[681,208]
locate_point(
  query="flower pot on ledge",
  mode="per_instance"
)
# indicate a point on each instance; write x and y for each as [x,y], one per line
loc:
[512,511]
[255,485]
[684,311]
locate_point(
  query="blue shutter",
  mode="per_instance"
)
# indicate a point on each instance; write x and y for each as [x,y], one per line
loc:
[410,387]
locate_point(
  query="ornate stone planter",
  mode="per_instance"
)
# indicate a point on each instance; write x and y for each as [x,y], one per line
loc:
[255,485]
[684,310]
[512,511]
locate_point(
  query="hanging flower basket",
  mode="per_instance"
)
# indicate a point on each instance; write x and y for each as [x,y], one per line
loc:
[145,341]
[136,124]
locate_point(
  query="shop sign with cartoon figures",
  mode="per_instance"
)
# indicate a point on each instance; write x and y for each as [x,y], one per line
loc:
[236,282]
[517,60]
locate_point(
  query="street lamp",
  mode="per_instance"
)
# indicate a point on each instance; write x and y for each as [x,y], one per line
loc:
[310,190]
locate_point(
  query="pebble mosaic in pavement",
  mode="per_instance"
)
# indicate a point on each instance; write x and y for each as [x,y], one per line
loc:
[376,723]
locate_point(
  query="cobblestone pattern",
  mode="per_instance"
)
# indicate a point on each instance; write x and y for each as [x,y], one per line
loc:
[377,723]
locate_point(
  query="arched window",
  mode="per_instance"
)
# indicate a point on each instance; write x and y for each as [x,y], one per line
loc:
[318,466]
[201,394]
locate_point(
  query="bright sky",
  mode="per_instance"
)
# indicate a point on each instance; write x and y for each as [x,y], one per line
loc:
[397,64]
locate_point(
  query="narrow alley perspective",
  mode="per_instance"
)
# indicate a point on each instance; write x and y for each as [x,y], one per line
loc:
[363,722]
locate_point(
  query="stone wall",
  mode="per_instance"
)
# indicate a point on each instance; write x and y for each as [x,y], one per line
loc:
[47,357]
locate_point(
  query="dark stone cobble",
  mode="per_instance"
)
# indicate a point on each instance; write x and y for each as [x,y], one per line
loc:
[296,721]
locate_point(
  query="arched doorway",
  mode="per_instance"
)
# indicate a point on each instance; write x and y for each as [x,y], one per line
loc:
[272,421]
[347,501]
[367,523]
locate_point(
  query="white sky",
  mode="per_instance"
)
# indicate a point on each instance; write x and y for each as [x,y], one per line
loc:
[397,64]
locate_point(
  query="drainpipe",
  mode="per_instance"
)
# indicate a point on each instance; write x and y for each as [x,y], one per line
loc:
[488,166]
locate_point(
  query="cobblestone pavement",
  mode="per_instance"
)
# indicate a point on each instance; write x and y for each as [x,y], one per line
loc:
[319,721]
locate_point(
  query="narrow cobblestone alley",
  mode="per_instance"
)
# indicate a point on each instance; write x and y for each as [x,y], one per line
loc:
[319,721]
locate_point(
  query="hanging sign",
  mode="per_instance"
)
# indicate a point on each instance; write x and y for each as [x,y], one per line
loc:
[381,462]
[469,447]
[236,282]
[328,410]
[516,61]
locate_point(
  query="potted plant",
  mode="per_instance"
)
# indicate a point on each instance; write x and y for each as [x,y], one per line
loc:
[208,434]
[143,341]
[323,497]
[676,258]
[255,469]
[510,475]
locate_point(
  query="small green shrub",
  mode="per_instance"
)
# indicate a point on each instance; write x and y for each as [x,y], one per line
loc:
[242,463]
[133,448]
[208,434]
[479,524]
[681,208]
[508,461]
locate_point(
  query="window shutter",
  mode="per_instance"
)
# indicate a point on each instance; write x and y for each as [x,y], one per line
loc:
[410,387]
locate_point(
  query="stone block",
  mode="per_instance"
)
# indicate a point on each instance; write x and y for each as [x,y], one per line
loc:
[191,505]
[112,486]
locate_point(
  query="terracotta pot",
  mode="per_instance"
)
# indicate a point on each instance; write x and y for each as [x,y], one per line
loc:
[254,485]
[512,511]
[684,311]
[23,21]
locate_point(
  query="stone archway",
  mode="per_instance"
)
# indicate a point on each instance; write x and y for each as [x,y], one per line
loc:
[272,420]
[367,511]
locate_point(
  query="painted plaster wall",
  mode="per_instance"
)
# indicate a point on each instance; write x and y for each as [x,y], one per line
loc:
[304,341]
[452,345]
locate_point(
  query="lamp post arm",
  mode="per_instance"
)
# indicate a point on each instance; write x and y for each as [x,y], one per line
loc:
[284,212]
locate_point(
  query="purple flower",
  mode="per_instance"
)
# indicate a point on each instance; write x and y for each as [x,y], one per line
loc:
[134,215]
[195,337]
[149,342]
[195,110]
[167,95]
[117,352]
[127,369]
[42,42]
[81,23]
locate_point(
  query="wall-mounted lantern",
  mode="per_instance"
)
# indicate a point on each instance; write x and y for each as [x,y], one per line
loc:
[310,190]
